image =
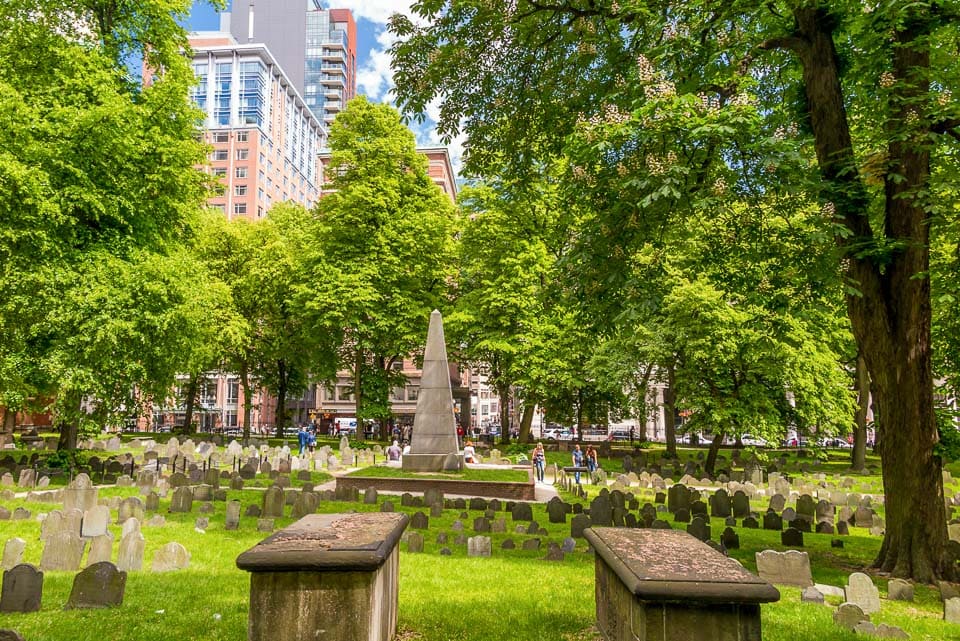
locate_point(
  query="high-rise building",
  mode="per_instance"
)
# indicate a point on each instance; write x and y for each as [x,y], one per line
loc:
[316,46]
[265,139]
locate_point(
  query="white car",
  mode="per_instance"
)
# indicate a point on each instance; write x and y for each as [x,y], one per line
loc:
[558,435]
[753,441]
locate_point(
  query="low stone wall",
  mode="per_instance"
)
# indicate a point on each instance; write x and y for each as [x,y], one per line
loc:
[489,489]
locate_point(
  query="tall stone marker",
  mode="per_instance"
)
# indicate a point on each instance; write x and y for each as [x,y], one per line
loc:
[433,445]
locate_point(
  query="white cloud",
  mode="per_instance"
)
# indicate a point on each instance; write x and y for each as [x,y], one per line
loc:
[375,77]
[377,11]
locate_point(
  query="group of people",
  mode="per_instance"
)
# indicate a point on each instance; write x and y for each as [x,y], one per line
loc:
[307,439]
[579,458]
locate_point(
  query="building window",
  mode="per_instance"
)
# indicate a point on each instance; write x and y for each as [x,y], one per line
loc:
[220,154]
[240,208]
[233,391]
[413,392]
[231,418]
[240,172]
[239,190]
[221,136]
[243,154]
[221,208]
[242,136]
[344,393]
[220,172]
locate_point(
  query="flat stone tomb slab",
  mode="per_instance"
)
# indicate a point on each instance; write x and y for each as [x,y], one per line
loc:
[660,585]
[332,576]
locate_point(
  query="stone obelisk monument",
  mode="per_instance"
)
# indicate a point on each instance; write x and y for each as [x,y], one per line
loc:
[433,445]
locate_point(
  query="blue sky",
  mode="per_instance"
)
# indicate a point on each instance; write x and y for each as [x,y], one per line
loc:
[374,78]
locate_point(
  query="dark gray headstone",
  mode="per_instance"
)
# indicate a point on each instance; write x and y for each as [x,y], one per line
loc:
[772,521]
[741,504]
[419,521]
[481,524]
[720,504]
[729,539]
[578,524]
[531,544]
[22,589]
[699,528]
[387,506]
[792,537]
[522,512]
[751,523]
[101,585]
[601,511]
[508,544]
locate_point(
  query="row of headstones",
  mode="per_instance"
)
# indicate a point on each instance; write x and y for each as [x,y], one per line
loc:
[64,552]
[98,586]
[482,546]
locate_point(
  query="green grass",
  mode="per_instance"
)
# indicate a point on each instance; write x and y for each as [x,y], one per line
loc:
[513,595]
[468,474]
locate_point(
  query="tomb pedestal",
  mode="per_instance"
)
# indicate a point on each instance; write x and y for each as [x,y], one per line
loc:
[665,585]
[327,577]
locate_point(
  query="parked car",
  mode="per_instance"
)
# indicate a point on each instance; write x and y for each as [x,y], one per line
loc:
[753,441]
[618,435]
[688,439]
[834,442]
[558,435]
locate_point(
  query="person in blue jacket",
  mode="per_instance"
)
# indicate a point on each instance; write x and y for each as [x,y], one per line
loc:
[302,438]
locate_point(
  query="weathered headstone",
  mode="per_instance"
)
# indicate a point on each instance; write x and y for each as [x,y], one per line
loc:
[63,552]
[13,553]
[232,521]
[848,615]
[101,585]
[182,500]
[414,542]
[792,537]
[861,591]
[811,594]
[419,521]
[899,590]
[130,556]
[101,549]
[22,589]
[171,556]
[478,546]
[784,568]
[95,521]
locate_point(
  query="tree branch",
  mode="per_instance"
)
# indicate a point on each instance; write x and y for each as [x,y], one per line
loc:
[947,126]
[790,43]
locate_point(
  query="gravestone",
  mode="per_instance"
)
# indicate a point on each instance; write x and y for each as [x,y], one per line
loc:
[508,544]
[578,524]
[720,504]
[899,590]
[861,591]
[741,505]
[414,542]
[182,500]
[171,556]
[22,589]
[232,521]
[849,615]
[699,528]
[101,549]
[601,511]
[264,525]
[131,507]
[557,510]
[811,595]
[482,524]
[273,502]
[95,521]
[419,521]
[531,544]
[777,502]
[750,523]
[130,556]
[792,537]
[522,512]
[478,546]
[101,585]
[772,521]
[62,552]
[554,552]
[951,610]
[784,568]
[682,515]
[729,539]
[13,553]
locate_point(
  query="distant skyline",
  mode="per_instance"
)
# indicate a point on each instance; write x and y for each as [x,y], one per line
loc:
[374,76]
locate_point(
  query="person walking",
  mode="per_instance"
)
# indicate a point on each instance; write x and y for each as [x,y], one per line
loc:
[591,457]
[302,438]
[577,461]
[539,461]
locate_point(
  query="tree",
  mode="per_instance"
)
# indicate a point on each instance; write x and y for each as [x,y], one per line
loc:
[504,265]
[380,250]
[838,70]
[99,187]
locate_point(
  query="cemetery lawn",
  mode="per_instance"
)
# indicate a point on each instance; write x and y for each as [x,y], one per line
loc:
[514,595]
[468,474]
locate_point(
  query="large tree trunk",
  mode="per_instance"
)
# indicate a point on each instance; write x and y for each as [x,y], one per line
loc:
[503,391]
[358,359]
[670,414]
[858,456]
[526,421]
[712,453]
[9,424]
[247,401]
[67,423]
[280,416]
[193,384]
[890,311]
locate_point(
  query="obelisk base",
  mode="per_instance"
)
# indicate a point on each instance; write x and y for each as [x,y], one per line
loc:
[432,462]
